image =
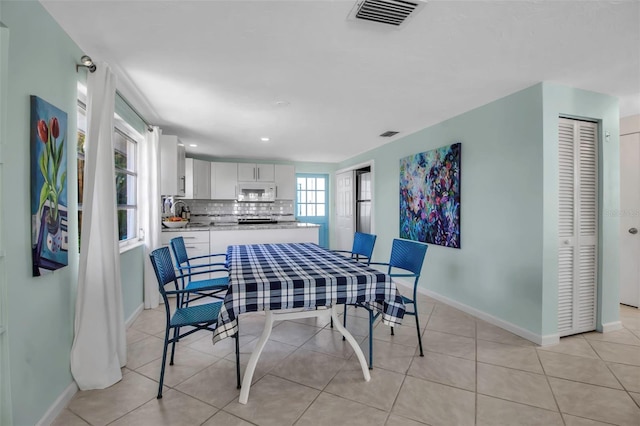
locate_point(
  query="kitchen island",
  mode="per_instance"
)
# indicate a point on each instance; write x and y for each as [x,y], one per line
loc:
[205,239]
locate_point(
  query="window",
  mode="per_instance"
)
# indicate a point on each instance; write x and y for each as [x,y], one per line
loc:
[126,183]
[126,169]
[311,196]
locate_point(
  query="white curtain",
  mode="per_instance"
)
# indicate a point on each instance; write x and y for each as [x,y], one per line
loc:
[99,346]
[149,203]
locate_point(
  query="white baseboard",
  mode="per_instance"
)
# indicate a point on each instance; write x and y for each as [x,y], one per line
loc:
[538,339]
[134,316]
[611,326]
[54,411]
[550,339]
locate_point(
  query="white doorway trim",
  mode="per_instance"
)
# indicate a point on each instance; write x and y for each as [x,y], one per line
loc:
[370,164]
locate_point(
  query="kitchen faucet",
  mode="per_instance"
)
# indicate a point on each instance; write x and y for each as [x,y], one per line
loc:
[175,205]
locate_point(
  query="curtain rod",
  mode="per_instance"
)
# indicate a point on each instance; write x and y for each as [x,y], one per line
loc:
[149,126]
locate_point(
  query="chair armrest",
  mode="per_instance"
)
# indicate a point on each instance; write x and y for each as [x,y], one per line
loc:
[183,276]
[207,255]
[168,292]
[182,268]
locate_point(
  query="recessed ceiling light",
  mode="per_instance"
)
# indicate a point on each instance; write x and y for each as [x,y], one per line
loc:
[264,139]
[180,144]
[193,145]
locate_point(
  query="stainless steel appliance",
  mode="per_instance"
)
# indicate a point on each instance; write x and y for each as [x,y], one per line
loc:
[363,202]
[254,220]
[256,192]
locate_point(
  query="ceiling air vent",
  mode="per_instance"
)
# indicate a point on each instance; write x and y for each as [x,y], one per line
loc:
[389,133]
[392,12]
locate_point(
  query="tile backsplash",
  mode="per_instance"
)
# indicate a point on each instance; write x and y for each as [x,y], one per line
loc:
[212,209]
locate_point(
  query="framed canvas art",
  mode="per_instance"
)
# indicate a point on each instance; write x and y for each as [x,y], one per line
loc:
[48,130]
[430,196]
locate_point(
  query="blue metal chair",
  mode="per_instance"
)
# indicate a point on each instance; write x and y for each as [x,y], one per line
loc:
[200,317]
[362,247]
[206,287]
[406,261]
[362,250]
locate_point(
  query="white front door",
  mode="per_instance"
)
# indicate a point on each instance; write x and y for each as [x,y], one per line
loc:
[345,219]
[630,219]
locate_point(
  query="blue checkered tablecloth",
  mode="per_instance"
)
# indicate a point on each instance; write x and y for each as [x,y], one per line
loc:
[301,275]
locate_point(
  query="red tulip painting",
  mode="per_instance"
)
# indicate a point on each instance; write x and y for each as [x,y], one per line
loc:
[430,196]
[48,186]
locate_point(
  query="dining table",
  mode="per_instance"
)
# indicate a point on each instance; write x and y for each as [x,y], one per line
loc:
[300,280]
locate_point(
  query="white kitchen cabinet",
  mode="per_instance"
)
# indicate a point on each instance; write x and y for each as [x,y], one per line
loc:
[198,179]
[285,178]
[251,172]
[196,243]
[224,181]
[172,166]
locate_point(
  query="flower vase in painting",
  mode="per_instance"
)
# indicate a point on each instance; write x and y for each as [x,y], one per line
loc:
[48,186]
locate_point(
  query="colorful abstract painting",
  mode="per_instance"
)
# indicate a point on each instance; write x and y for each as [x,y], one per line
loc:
[49,236]
[430,196]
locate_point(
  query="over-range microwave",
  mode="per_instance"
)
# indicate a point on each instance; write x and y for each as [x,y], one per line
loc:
[256,192]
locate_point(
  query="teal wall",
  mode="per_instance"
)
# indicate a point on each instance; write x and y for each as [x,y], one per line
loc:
[498,268]
[40,314]
[564,101]
[507,266]
[42,62]
[5,379]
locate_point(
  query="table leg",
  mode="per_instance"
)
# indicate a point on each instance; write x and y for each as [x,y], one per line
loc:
[253,360]
[356,348]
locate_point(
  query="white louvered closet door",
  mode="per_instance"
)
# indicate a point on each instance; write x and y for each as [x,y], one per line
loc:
[577,226]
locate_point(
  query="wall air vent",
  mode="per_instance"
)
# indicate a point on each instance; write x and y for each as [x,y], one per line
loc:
[391,12]
[389,133]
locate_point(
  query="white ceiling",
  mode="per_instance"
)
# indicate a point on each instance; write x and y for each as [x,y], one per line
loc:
[213,72]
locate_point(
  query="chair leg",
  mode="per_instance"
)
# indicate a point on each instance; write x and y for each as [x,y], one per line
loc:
[238,360]
[164,360]
[392,331]
[173,345]
[370,340]
[418,331]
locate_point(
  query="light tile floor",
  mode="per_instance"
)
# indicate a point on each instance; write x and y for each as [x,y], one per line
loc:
[472,373]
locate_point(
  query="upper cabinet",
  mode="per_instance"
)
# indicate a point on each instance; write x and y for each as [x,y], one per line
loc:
[250,172]
[172,166]
[198,179]
[224,181]
[285,178]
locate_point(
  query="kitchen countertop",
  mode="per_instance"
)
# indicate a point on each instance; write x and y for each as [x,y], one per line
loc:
[252,227]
